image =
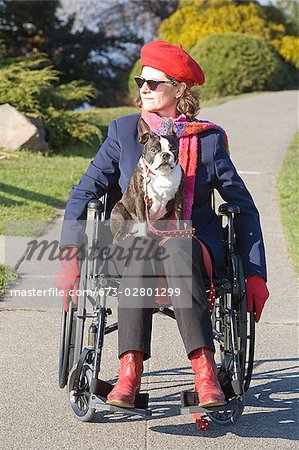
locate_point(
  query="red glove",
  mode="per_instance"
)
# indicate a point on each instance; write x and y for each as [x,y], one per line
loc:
[68,277]
[257,294]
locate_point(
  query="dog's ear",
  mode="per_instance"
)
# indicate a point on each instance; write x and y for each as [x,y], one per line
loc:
[143,131]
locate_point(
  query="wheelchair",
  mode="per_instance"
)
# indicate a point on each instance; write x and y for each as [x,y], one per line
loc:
[85,325]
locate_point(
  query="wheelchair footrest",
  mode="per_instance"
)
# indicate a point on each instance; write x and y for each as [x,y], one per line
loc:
[100,389]
[189,404]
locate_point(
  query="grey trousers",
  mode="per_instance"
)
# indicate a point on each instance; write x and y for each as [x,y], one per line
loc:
[138,261]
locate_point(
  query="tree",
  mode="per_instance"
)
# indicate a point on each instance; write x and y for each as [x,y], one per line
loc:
[30,27]
[130,22]
[290,10]
[26,26]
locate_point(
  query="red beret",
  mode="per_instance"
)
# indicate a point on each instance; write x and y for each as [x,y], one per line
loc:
[173,61]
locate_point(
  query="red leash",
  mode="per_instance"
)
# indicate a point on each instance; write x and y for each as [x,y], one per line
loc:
[188,233]
[169,233]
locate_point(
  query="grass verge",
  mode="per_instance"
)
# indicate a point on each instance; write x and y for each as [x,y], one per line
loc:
[6,276]
[33,187]
[288,188]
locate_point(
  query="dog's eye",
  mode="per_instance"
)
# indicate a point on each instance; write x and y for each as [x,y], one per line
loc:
[153,149]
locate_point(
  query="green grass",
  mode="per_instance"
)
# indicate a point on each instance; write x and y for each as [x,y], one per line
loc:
[35,186]
[6,275]
[288,189]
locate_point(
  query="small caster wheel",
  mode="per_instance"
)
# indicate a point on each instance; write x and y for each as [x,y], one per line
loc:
[202,424]
[79,400]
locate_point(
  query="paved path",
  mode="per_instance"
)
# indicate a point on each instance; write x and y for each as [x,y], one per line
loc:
[34,411]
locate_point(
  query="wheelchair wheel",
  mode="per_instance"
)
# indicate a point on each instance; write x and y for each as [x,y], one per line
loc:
[81,309]
[246,332]
[67,344]
[236,350]
[79,399]
[72,330]
[250,352]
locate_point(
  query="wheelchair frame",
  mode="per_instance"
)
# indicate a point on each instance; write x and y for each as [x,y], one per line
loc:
[233,330]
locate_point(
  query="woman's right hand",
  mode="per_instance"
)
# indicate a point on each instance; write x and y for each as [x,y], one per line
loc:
[68,277]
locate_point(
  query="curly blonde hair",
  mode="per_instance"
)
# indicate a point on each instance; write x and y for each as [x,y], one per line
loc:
[188,103]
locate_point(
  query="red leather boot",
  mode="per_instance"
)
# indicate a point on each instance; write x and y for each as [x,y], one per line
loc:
[129,380]
[206,381]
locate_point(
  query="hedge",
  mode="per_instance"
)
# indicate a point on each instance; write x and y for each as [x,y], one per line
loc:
[235,63]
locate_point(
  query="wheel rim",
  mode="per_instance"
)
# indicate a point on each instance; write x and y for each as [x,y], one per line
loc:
[79,401]
[66,352]
[61,379]
[250,355]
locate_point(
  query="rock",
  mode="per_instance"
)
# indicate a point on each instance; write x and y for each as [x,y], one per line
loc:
[20,131]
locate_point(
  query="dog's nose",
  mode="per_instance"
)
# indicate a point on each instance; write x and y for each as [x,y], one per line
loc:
[165,156]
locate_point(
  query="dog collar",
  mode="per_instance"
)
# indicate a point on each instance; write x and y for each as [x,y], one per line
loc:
[147,168]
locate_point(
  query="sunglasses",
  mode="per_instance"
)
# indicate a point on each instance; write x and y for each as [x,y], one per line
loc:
[152,84]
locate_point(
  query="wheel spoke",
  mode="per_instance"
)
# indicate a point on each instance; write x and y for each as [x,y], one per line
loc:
[84,401]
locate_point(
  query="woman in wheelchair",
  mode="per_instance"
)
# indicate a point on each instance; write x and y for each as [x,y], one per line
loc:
[165,99]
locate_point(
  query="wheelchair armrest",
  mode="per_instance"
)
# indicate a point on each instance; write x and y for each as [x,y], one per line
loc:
[96,205]
[227,208]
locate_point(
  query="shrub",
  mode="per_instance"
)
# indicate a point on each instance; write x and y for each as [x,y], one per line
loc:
[206,3]
[132,87]
[32,86]
[63,126]
[191,23]
[235,63]
[288,48]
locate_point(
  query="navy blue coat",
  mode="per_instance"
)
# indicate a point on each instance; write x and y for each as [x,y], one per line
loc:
[115,163]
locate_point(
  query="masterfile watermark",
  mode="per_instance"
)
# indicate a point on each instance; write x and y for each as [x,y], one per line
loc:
[108,291]
[33,292]
[40,249]
[138,262]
